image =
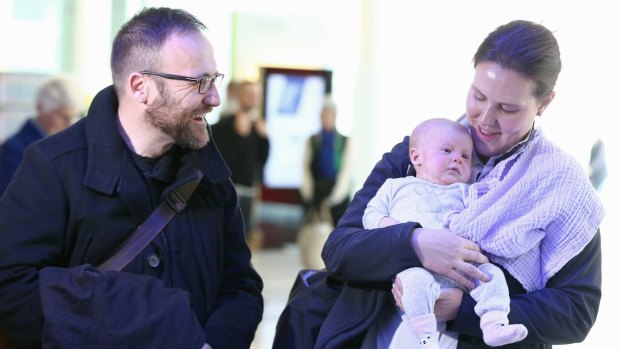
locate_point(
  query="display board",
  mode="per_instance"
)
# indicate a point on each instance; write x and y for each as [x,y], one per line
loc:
[292,102]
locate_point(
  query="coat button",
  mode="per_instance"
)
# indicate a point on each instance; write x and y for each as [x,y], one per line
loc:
[153,260]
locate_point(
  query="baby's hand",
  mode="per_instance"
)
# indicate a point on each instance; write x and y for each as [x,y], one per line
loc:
[387,221]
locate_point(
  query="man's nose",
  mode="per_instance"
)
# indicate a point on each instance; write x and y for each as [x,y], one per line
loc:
[212,97]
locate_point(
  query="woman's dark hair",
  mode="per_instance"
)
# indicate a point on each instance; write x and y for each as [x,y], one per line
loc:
[527,48]
[137,44]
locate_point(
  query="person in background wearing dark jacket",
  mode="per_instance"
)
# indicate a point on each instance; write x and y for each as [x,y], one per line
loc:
[515,71]
[58,103]
[80,193]
[242,139]
[326,179]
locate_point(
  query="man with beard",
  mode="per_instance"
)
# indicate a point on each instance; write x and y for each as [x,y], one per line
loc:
[80,193]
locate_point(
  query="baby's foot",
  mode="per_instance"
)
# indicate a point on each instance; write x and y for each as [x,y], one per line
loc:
[497,331]
[425,329]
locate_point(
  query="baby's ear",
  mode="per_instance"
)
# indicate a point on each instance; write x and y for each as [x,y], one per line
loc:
[414,156]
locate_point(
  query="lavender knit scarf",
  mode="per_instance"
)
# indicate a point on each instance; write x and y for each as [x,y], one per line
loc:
[532,213]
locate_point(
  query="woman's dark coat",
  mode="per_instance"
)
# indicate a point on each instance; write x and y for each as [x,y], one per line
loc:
[561,313]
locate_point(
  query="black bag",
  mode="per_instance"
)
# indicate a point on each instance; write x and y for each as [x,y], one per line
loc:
[312,296]
[88,308]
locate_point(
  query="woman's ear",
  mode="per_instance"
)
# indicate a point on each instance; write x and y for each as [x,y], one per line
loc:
[545,103]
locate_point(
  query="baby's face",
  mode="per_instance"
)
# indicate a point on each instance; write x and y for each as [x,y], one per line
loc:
[444,157]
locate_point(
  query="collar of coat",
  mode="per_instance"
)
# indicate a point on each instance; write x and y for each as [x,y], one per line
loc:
[107,152]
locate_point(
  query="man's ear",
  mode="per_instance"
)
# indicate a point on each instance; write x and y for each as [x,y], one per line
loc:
[545,103]
[39,108]
[137,87]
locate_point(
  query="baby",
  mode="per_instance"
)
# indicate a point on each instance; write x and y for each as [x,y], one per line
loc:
[441,153]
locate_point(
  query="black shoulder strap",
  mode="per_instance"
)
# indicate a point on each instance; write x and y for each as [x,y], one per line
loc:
[173,203]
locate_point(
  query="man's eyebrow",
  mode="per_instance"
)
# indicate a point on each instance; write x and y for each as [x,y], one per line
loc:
[205,75]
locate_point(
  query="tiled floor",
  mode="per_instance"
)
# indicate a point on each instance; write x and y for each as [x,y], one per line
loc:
[278,267]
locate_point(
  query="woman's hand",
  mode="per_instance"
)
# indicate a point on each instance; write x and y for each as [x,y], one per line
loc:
[448,303]
[397,292]
[446,253]
[261,127]
[446,306]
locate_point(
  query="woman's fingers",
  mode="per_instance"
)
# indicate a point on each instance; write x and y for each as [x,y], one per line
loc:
[448,254]
[397,292]
[460,279]
[473,272]
[476,257]
[472,252]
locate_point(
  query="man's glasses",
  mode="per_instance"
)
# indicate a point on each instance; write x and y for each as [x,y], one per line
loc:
[204,83]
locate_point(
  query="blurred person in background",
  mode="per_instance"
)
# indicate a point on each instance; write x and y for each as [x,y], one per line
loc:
[231,104]
[597,169]
[58,103]
[242,139]
[326,176]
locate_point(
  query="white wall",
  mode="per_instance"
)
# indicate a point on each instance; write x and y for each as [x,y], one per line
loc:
[423,66]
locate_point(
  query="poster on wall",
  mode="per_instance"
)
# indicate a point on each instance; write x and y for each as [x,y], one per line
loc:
[292,102]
